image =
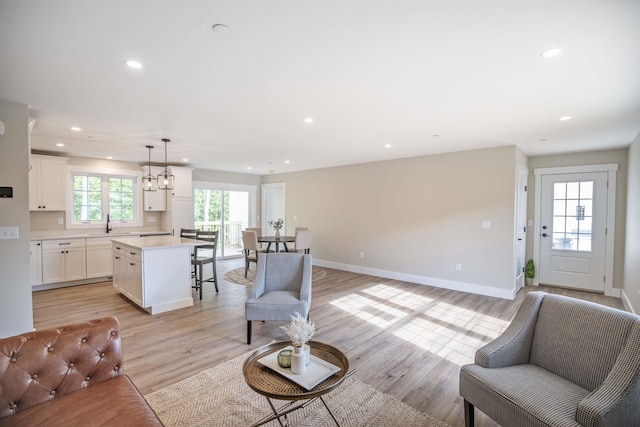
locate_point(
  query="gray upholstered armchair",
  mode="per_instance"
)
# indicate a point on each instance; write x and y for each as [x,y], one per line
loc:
[282,287]
[561,362]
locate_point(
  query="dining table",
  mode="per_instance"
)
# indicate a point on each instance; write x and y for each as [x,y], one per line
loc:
[277,240]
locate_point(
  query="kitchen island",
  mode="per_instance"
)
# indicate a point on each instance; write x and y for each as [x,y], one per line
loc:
[154,272]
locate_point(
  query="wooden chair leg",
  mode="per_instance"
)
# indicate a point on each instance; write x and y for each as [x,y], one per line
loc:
[201,280]
[468,414]
[248,332]
[215,274]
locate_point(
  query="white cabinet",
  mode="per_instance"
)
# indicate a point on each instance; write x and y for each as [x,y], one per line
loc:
[63,260]
[46,183]
[154,200]
[182,186]
[127,272]
[99,257]
[36,262]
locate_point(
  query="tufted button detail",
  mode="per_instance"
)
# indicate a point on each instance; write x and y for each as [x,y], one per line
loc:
[84,340]
[13,360]
[115,368]
[52,392]
[34,376]
[101,354]
[12,405]
[113,333]
[70,364]
[87,378]
[50,349]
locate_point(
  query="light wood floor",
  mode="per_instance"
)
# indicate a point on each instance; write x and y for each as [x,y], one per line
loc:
[404,339]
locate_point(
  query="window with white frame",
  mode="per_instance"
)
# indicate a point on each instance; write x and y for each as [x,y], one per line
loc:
[98,194]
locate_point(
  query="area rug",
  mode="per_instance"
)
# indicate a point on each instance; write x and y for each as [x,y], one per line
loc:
[237,275]
[220,397]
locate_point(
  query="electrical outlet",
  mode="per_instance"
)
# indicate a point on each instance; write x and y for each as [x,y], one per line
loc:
[152,219]
[295,217]
[458,266]
[361,254]
[60,220]
[8,233]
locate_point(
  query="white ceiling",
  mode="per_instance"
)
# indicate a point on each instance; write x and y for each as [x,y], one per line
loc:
[369,73]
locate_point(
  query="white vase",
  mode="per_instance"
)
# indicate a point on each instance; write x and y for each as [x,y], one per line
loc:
[277,234]
[307,354]
[298,361]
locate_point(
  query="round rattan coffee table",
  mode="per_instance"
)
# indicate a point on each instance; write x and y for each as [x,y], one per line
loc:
[272,385]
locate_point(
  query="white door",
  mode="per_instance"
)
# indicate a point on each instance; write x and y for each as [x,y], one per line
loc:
[273,206]
[573,227]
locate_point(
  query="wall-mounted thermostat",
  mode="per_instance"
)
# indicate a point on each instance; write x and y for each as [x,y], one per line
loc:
[6,192]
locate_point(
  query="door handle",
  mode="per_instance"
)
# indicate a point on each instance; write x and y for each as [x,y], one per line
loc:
[544,234]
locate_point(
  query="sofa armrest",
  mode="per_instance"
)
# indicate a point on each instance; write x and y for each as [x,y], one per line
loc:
[615,402]
[39,366]
[513,347]
[259,284]
[305,288]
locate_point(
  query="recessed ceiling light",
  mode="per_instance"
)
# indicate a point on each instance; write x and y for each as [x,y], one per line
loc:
[75,128]
[287,161]
[387,145]
[308,120]
[59,144]
[132,63]
[185,160]
[564,118]
[109,157]
[550,53]
[249,168]
[220,28]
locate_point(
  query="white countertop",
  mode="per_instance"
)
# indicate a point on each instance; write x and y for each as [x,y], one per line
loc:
[157,242]
[60,235]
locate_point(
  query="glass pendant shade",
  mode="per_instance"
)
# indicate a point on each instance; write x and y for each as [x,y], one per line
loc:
[165,178]
[149,182]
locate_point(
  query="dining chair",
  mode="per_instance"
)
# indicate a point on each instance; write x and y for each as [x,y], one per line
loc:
[282,287]
[251,249]
[188,233]
[258,231]
[205,254]
[303,241]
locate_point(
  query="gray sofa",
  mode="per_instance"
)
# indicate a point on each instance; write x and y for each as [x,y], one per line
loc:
[561,362]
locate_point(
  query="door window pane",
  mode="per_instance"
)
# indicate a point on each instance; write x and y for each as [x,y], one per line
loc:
[572,215]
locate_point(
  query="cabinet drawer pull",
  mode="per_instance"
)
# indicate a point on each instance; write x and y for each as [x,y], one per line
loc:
[117,257]
[132,263]
[62,244]
[117,247]
[132,253]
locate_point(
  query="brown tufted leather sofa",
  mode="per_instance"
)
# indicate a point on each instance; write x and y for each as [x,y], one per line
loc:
[69,376]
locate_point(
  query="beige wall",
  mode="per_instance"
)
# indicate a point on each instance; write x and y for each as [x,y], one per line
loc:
[631,282]
[588,158]
[225,177]
[414,218]
[15,285]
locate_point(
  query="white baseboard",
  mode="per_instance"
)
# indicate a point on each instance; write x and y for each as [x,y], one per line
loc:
[509,294]
[626,302]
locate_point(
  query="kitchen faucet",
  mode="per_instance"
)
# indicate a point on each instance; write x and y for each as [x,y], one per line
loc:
[108,228]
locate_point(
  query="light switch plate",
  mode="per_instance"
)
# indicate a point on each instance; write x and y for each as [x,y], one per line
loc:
[486,224]
[9,233]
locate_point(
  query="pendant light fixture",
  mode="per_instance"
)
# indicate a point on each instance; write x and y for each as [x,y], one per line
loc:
[149,181]
[165,178]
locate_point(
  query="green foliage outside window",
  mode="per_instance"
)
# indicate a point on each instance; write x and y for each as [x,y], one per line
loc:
[88,198]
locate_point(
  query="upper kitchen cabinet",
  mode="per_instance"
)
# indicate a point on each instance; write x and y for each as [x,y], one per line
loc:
[154,200]
[182,185]
[46,183]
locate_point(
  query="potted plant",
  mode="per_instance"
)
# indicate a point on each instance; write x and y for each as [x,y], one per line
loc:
[529,272]
[299,331]
[277,225]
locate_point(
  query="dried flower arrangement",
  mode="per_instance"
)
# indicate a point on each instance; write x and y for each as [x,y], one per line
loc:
[300,330]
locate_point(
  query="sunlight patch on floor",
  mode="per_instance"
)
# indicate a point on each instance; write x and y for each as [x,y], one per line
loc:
[398,296]
[364,307]
[446,330]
